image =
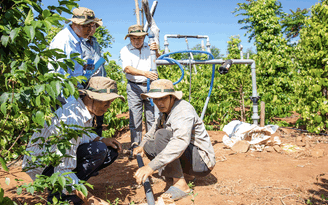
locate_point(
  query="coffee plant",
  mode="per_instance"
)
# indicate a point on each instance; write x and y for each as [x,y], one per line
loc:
[312,58]
[28,92]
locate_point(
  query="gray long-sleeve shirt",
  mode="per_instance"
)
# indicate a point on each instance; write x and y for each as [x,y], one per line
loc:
[187,128]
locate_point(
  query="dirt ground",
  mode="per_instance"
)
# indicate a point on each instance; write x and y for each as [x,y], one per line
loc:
[298,175]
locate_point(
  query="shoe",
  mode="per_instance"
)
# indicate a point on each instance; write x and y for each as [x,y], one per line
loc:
[177,193]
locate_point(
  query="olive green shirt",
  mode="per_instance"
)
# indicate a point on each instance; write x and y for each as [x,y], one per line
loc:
[187,128]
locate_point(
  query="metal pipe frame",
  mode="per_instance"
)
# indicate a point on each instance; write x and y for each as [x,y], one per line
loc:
[213,61]
[254,98]
[166,43]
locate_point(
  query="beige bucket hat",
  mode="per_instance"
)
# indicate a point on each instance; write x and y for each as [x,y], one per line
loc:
[161,88]
[82,16]
[102,89]
[136,30]
[99,23]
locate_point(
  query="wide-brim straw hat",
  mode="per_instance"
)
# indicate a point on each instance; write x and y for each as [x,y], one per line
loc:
[102,89]
[135,30]
[82,16]
[161,88]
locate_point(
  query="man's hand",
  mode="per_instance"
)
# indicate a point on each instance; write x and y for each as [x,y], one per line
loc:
[143,173]
[151,75]
[112,143]
[155,47]
[138,150]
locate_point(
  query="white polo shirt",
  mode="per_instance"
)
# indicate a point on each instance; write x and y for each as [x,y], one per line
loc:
[139,59]
[72,113]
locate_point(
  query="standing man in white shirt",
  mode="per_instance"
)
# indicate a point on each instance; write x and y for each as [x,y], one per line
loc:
[136,64]
[88,154]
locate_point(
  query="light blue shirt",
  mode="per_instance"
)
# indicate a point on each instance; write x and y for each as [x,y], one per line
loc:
[93,52]
[70,43]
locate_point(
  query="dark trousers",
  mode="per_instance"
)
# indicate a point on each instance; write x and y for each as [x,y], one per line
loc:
[190,162]
[91,157]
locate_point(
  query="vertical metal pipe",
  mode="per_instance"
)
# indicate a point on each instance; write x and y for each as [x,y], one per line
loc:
[153,68]
[202,45]
[192,57]
[166,45]
[241,52]
[254,98]
[208,45]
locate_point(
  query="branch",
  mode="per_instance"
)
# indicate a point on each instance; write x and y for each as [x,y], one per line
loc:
[19,136]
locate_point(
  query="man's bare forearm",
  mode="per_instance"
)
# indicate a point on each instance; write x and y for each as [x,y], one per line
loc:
[133,71]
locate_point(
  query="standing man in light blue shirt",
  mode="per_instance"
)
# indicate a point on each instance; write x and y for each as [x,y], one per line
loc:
[70,38]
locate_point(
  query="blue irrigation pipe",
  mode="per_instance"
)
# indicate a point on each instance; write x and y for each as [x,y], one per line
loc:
[164,57]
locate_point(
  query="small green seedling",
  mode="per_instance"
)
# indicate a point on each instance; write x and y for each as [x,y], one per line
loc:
[309,202]
[115,202]
[191,185]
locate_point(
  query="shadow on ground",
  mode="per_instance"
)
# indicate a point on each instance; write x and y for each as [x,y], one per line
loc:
[320,195]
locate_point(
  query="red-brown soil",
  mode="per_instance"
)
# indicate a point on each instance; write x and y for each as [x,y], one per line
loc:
[289,177]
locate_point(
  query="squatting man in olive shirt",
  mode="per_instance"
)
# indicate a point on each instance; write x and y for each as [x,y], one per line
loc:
[177,143]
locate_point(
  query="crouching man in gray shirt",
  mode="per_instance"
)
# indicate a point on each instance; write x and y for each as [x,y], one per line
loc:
[177,143]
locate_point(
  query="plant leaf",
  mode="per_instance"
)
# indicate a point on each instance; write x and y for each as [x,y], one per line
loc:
[50,91]
[3,108]
[84,190]
[62,181]
[3,164]
[19,190]
[29,18]
[14,34]
[2,193]
[38,89]
[4,40]
[39,118]
[7,180]
[56,87]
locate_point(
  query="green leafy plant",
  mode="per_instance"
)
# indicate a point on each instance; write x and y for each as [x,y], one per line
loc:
[113,123]
[29,91]
[312,56]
